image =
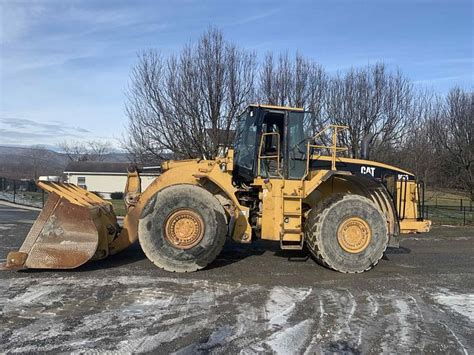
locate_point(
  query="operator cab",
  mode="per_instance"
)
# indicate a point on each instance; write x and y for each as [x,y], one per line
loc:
[270,142]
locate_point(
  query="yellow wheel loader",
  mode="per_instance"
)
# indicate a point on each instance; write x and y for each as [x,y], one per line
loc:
[274,185]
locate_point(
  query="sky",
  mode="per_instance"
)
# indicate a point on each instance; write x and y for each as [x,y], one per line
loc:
[65,65]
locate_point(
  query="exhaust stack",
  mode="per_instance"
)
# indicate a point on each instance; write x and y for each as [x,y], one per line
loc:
[365,146]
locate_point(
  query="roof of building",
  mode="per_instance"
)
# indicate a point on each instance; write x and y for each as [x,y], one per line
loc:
[96,167]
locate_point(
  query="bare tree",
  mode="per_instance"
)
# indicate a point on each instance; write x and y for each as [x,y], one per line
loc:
[92,150]
[453,133]
[39,160]
[294,82]
[417,151]
[288,82]
[369,101]
[188,104]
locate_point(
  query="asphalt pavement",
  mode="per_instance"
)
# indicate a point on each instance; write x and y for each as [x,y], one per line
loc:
[253,298]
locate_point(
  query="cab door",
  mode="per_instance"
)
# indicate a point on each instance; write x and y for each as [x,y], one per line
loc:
[296,145]
[271,153]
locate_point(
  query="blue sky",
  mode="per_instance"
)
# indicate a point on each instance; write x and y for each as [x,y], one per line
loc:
[65,64]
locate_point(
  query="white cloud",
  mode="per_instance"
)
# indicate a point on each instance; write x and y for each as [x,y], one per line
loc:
[440,79]
[25,131]
[17,18]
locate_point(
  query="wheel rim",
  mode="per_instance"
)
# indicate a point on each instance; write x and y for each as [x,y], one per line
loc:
[184,229]
[354,235]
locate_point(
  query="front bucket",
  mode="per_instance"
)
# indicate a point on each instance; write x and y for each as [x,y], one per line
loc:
[74,227]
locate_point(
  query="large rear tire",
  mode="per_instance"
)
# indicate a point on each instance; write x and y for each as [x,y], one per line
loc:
[347,233]
[182,228]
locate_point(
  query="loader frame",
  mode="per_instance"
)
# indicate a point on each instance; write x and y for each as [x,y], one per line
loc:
[76,226]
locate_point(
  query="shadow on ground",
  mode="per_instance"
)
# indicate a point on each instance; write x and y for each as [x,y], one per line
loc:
[232,253]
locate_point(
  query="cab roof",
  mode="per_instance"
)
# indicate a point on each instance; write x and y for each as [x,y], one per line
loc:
[283,108]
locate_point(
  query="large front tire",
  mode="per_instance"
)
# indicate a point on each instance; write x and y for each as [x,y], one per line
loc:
[182,228]
[347,233]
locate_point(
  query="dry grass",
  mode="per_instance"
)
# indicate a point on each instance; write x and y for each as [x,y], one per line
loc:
[444,206]
[445,197]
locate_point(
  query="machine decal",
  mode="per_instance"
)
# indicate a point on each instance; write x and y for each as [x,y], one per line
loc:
[377,172]
[367,170]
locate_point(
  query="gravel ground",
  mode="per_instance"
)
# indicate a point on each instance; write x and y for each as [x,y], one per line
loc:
[253,298]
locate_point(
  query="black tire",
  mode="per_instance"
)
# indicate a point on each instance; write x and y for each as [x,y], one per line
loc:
[321,233]
[152,231]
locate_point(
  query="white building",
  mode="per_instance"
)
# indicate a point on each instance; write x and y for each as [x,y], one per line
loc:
[103,177]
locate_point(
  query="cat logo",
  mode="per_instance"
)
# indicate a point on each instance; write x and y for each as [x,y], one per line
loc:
[367,170]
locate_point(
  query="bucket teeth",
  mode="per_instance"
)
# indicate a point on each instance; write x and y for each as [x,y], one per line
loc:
[16,260]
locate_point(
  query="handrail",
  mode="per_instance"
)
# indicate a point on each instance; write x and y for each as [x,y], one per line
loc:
[402,194]
[260,156]
[421,199]
[333,148]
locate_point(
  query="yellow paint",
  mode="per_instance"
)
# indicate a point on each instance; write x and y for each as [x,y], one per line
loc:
[282,200]
[414,226]
[282,210]
[193,172]
[73,193]
[133,188]
[354,235]
[407,208]
[281,215]
[361,162]
[184,228]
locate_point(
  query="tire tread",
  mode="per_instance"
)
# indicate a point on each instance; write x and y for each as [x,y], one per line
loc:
[314,234]
[209,258]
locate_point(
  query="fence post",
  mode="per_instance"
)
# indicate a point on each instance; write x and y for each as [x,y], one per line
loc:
[461,204]
[14,191]
[427,213]
[464,217]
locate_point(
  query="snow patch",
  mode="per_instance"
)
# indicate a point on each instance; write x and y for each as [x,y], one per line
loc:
[281,302]
[6,226]
[32,295]
[404,326]
[460,303]
[291,340]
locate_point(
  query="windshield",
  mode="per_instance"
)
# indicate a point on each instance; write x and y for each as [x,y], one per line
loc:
[245,140]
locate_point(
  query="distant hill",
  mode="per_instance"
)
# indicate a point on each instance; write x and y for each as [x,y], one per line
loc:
[116,158]
[29,163]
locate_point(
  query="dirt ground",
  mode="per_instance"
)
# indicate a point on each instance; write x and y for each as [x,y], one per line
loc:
[253,298]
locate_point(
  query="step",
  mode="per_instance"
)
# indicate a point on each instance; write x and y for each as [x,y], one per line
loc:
[298,197]
[291,230]
[291,247]
[292,244]
[292,214]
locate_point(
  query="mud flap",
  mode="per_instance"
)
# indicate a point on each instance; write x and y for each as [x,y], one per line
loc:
[74,227]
